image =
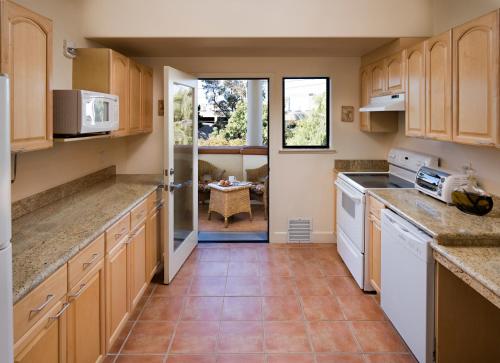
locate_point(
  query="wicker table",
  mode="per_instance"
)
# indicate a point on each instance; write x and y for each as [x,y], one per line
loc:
[228,201]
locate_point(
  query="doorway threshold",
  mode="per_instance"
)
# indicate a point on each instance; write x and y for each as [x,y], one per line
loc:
[258,237]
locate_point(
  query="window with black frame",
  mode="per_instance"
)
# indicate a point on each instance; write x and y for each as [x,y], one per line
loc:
[306,112]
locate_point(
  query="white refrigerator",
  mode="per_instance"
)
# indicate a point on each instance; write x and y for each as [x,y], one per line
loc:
[6,320]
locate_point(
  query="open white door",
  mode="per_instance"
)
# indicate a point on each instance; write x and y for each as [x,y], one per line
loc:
[180,155]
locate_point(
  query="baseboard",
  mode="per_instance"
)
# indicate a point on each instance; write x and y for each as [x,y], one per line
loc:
[317,237]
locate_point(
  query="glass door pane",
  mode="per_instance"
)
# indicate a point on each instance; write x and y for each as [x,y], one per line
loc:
[184,109]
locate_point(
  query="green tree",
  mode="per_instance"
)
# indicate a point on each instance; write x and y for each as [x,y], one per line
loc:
[225,94]
[312,129]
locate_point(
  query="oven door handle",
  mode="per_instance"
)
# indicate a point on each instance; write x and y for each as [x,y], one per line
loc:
[355,198]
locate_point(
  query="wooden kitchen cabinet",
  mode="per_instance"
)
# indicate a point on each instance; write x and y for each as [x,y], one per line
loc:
[117,291]
[137,265]
[438,83]
[378,78]
[153,233]
[135,101]
[46,342]
[147,98]
[374,242]
[104,70]
[26,57]
[475,81]
[86,318]
[395,73]
[374,121]
[415,91]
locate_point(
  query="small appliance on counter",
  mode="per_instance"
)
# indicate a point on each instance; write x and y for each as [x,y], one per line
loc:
[471,199]
[80,112]
[439,183]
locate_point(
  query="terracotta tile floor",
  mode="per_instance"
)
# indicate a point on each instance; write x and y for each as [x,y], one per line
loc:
[246,303]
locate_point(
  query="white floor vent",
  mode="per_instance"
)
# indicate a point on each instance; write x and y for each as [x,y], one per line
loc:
[299,230]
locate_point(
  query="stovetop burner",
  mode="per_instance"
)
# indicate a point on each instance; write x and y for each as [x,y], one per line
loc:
[379,180]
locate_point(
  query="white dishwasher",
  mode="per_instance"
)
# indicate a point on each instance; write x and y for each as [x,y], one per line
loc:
[407,279]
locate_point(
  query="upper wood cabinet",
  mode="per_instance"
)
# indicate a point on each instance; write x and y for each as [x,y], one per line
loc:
[147,98]
[104,70]
[475,81]
[379,122]
[415,91]
[26,57]
[438,69]
[395,72]
[378,78]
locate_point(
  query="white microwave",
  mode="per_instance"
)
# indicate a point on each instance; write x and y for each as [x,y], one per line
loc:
[79,112]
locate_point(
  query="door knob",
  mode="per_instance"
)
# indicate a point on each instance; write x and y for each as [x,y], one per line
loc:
[173,186]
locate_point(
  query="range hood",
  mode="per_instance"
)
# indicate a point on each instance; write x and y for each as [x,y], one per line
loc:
[385,103]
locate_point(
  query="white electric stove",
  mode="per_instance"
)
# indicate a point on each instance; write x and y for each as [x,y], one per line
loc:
[351,205]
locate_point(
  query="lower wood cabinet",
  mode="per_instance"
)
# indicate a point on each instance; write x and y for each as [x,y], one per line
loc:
[46,341]
[86,315]
[375,239]
[117,302]
[153,234]
[137,254]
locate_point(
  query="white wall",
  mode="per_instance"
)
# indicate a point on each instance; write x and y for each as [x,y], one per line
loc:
[300,184]
[40,170]
[449,13]
[256,18]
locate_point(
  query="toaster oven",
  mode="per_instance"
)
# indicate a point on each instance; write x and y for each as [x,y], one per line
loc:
[438,183]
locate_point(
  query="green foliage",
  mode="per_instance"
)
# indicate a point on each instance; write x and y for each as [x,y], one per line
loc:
[311,131]
[183,115]
[224,95]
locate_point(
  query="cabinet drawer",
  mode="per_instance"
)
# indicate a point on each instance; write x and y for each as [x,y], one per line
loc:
[375,206]
[117,232]
[82,263]
[138,214]
[36,304]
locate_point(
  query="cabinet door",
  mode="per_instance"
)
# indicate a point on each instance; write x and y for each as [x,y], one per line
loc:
[378,85]
[119,77]
[394,70]
[365,79]
[137,253]
[438,122]
[116,292]
[375,252]
[475,81]
[415,91]
[153,238]
[49,343]
[135,97]
[86,314]
[26,53]
[147,99]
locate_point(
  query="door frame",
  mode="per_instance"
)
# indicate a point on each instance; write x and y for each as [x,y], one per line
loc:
[253,76]
[171,267]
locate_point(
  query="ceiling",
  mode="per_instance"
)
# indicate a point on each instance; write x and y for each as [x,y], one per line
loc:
[243,47]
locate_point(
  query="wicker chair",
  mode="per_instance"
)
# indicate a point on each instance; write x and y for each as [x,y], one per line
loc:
[206,169]
[260,185]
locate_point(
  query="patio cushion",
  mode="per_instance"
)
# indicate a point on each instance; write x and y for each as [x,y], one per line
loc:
[257,188]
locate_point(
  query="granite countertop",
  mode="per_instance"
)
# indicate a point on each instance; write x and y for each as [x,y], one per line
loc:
[467,245]
[478,267]
[447,224]
[44,240]
[360,165]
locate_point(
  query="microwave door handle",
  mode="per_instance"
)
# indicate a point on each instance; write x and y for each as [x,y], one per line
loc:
[349,194]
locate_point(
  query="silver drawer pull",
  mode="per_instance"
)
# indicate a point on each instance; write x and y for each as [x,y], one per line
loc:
[78,293]
[59,314]
[43,306]
[91,261]
[121,233]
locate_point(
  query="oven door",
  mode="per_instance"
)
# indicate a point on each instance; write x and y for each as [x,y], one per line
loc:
[98,114]
[351,214]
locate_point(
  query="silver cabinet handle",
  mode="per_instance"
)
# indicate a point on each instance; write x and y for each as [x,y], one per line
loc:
[41,307]
[91,261]
[120,234]
[59,314]
[78,293]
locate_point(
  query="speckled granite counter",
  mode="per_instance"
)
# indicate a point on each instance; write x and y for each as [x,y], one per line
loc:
[360,165]
[448,225]
[44,240]
[467,245]
[478,267]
